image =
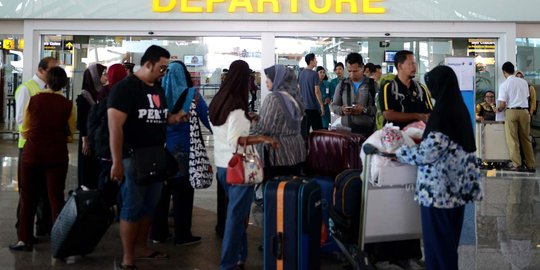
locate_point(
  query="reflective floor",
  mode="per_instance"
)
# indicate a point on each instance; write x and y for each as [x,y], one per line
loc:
[500,232]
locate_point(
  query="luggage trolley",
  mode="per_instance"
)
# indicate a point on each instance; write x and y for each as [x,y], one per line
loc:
[388,211]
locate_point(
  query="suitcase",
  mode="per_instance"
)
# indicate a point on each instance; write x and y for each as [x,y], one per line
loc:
[331,152]
[81,224]
[292,225]
[345,210]
[328,244]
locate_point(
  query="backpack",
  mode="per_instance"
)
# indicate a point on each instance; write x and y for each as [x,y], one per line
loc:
[98,130]
[345,210]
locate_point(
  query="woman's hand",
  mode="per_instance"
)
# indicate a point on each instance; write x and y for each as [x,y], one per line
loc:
[273,142]
[85,146]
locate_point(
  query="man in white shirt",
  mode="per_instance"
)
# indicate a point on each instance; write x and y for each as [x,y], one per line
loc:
[22,96]
[513,94]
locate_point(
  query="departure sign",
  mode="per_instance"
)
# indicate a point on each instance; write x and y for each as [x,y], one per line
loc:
[265,6]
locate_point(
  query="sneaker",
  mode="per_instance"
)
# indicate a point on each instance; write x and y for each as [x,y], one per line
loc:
[162,240]
[21,246]
[188,241]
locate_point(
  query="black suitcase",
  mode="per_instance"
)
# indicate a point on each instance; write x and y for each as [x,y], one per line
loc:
[292,225]
[81,224]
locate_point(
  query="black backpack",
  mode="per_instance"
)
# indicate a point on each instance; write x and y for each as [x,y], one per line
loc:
[98,130]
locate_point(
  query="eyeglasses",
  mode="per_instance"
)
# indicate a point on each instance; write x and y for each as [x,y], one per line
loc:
[163,69]
[490,96]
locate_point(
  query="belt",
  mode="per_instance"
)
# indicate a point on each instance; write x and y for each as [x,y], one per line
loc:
[518,108]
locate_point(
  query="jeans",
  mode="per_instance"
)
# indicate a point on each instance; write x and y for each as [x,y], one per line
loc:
[138,201]
[234,245]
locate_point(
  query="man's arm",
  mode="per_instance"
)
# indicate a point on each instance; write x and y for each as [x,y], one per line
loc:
[393,116]
[116,120]
[21,100]
[502,106]
[319,98]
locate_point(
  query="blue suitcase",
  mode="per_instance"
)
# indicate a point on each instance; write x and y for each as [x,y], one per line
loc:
[328,244]
[292,225]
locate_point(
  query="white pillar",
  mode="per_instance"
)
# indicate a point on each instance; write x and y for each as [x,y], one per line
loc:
[268,59]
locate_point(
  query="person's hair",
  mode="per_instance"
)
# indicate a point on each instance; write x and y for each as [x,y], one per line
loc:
[489,91]
[153,54]
[377,67]
[401,57]
[319,68]
[44,63]
[508,67]
[309,57]
[56,78]
[189,80]
[354,58]
[370,67]
[339,64]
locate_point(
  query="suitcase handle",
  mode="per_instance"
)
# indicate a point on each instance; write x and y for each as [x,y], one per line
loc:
[277,246]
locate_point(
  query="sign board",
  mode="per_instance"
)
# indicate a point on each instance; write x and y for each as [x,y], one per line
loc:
[465,70]
[68,45]
[52,45]
[8,44]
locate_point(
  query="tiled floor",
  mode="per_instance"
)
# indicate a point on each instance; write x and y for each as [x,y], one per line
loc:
[507,228]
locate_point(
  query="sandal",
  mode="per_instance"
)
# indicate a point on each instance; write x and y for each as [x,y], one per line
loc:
[156,255]
[126,267]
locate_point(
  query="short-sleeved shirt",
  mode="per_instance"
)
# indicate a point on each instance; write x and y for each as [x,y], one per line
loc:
[408,100]
[308,79]
[146,110]
[514,91]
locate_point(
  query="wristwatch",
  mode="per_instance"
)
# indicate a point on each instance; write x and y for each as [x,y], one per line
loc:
[364,110]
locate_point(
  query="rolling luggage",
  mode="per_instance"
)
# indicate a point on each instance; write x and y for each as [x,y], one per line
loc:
[81,224]
[328,244]
[331,152]
[292,225]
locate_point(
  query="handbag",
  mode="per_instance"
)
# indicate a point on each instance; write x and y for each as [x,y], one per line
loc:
[150,164]
[245,168]
[200,169]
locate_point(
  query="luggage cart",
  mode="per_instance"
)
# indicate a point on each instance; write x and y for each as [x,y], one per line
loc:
[388,211]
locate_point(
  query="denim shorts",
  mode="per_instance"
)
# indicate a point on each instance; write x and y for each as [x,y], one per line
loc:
[138,201]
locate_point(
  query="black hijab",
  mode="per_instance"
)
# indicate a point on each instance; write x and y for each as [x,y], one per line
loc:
[232,95]
[450,115]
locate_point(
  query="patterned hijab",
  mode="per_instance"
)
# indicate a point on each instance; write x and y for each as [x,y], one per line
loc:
[284,80]
[450,115]
[175,83]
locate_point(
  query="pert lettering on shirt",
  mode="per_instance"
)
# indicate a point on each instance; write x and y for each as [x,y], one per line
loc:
[153,115]
[262,6]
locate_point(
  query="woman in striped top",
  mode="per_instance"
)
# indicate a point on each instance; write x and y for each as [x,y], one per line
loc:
[280,118]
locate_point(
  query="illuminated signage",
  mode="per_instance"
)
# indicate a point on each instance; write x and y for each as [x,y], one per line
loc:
[52,45]
[8,44]
[20,44]
[274,6]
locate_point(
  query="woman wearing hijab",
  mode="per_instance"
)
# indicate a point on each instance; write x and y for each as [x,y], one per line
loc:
[280,118]
[230,121]
[448,172]
[94,77]
[177,84]
[327,92]
[98,142]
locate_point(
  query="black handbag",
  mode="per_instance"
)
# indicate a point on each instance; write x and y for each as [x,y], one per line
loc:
[150,164]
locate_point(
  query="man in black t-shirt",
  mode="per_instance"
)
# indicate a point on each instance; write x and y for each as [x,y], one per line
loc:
[403,101]
[411,101]
[137,115]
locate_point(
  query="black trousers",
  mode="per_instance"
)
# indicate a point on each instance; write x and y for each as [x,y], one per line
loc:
[182,196]
[43,213]
[442,229]
[312,120]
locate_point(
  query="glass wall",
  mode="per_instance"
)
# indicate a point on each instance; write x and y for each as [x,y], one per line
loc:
[205,57]
[11,68]
[528,62]
[429,53]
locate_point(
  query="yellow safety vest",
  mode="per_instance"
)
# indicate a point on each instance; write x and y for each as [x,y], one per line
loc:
[34,89]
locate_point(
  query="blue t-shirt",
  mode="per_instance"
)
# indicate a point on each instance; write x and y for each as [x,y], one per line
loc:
[308,79]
